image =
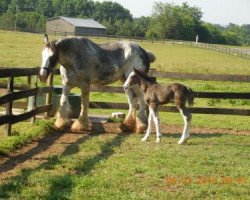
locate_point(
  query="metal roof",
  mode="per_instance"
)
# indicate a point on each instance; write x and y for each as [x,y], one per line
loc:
[89,23]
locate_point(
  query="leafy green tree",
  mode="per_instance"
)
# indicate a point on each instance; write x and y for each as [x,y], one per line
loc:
[211,33]
[234,34]
[45,7]
[7,20]
[31,21]
[140,26]
[175,22]
[110,10]
[84,8]
[4,6]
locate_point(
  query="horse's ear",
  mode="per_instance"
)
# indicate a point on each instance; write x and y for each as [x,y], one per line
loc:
[135,70]
[53,46]
[46,38]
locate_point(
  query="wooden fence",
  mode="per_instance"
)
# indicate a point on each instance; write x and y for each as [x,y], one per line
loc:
[210,95]
[28,91]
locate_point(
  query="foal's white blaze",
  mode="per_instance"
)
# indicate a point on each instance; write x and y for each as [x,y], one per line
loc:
[46,54]
[127,82]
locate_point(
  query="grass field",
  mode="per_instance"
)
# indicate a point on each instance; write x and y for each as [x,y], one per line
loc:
[111,166]
[119,166]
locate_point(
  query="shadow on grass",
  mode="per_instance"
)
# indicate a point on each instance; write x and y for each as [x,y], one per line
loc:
[60,187]
[43,145]
[57,191]
[16,183]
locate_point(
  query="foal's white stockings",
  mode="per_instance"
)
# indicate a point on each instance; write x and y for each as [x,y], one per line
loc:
[153,115]
[187,120]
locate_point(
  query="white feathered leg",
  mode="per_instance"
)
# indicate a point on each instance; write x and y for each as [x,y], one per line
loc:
[187,121]
[149,129]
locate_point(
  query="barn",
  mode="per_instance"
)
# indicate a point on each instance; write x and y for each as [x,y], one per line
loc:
[75,26]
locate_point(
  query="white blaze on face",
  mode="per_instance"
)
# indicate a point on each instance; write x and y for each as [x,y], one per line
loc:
[46,54]
[127,82]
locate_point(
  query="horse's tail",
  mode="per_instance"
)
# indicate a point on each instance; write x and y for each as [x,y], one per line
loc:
[190,97]
[151,56]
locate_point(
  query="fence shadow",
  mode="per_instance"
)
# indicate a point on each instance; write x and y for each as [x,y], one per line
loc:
[61,185]
[43,145]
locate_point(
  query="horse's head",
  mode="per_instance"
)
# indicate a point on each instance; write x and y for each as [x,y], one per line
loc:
[49,58]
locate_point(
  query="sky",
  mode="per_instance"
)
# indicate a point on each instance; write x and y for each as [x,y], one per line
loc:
[220,12]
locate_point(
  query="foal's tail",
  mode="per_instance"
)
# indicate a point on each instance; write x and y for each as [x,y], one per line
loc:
[190,97]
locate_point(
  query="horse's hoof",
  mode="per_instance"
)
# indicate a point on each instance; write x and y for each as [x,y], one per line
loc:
[141,129]
[61,124]
[79,130]
[158,140]
[79,127]
[56,128]
[183,141]
[144,139]
[61,127]
[140,126]
[123,128]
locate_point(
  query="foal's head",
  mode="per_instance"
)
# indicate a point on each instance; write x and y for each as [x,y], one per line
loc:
[49,58]
[135,78]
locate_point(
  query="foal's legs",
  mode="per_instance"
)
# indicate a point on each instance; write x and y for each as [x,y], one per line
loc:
[62,117]
[82,123]
[149,129]
[187,117]
[157,123]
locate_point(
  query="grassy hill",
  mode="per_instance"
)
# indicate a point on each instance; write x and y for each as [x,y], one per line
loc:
[24,49]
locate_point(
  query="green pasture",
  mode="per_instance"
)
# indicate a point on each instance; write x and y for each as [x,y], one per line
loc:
[24,50]
[120,166]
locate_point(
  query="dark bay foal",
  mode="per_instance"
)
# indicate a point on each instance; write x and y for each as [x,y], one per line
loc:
[156,94]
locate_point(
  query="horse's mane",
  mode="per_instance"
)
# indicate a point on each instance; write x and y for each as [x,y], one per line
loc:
[144,76]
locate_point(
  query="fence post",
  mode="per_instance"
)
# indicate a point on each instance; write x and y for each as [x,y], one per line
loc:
[34,99]
[9,105]
[49,95]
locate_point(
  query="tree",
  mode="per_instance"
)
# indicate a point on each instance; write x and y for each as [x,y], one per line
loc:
[140,26]
[4,6]
[175,22]
[45,7]
[110,11]
[31,21]
[84,8]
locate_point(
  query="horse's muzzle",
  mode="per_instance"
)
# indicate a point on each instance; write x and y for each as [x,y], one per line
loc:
[43,78]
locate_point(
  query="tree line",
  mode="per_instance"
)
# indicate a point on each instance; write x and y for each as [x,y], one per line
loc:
[168,21]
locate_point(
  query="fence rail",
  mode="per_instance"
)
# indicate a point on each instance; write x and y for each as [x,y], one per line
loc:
[8,100]
[26,91]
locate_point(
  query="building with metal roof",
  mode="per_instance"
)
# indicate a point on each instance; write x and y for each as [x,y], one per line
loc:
[74,26]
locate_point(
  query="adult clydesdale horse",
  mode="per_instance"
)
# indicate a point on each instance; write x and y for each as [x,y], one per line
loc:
[84,63]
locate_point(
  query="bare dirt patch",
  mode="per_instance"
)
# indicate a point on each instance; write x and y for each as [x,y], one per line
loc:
[39,151]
